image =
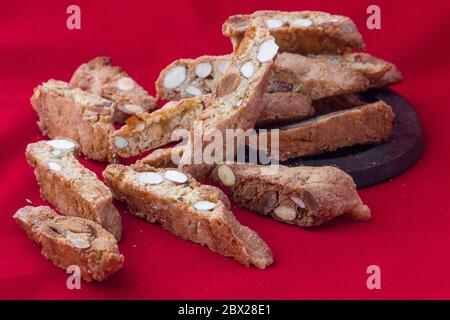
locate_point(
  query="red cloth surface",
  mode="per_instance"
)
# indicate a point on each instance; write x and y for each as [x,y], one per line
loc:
[408,236]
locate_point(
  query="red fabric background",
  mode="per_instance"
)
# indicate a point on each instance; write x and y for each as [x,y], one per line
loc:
[408,236]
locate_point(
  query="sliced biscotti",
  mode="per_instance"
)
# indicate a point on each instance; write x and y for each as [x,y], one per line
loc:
[69,112]
[164,158]
[148,131]
[301,32]
[370,123]
[279,107]
[186,78]
[101,78]
[305,196]
[316,78]
[188,209]
[236,101]
[379,72]
[72,241]
[72,188]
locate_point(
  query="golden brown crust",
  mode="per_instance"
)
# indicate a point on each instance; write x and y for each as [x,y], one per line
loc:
[148,131]
[379,72]
[101,78]
[361,125]
[73,189]
[301,32]
[175,205]
[316,78]
[236,102]
[69,112]
[305,196]
[202,73]
[70,241]
[163,158]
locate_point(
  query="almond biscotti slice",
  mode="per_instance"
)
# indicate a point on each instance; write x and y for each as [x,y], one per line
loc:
[148,131]
[72,241]
[164,158]
[185,78]
[367,124]
[379,72]
[101,78]
[72,188]
[236,101]
[316,78]
[304,196]
[69,112]
[301,32]
[188,209]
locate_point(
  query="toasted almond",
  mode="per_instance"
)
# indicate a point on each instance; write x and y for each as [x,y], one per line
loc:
[175,176]
[150,178]
[204,205]
[203,70]
[174,77]
[302,23]
[285,213]
[131,108]
[120,142]
[267,51]
[226,175]
[125,84]
[247,70]
[54,166]
[274,23]
[61,144]
[193,91]
[228,84]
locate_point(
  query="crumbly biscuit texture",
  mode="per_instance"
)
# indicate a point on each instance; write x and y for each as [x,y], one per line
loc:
[72,188]
[367,124]
[236,101]
[69,112]
[72,241]
[305,196]
[188,209]
[101,78]
[148,131]
[302,32]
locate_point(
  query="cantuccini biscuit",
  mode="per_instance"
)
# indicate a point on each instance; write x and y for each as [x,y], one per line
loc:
[101,78]
[188,209]
[148,131]
[236,101]
[305,196]
[379,72]
[369,123]
[72,241]
[185,78]
[69,112]
[72,188]
[301,32]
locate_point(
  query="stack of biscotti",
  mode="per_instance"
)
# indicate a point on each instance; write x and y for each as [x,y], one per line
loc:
[297,72]
[314,75]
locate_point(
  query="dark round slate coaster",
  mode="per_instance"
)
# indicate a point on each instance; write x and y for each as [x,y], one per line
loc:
[372,164]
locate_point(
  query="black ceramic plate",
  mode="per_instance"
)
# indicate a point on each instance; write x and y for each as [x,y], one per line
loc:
[371,164]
